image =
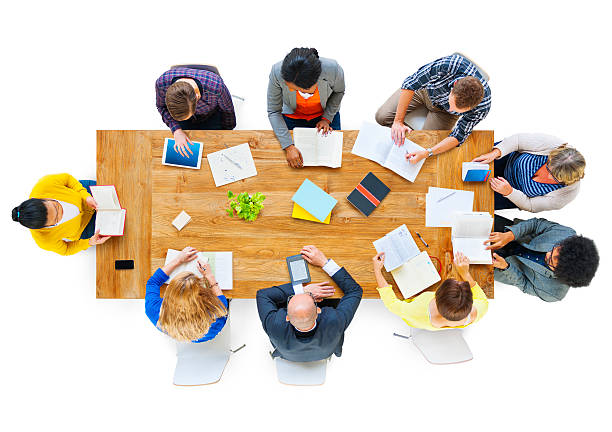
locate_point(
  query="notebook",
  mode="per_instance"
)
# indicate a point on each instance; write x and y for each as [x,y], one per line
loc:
[398,246]
[220,265]
[110,217]
[314,200]
[475,171]
[368,194]
[181,220]
[374,142]
[300,213]
[469,232]
[231,164]
[318,149]
[417,274]
[441,203]
[174,158]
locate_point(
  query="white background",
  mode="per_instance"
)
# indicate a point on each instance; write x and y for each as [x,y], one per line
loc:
[72,362]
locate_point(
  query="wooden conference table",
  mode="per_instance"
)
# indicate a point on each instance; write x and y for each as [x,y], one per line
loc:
[154,195]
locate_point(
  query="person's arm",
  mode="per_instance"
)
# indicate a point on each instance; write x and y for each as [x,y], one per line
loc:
[513,275]
[537,226]
[480,301]
[333,103]
[160,100]
[153,301]
[269,301]
[275,107]
[536,143]
[70,182]
[350,300]
[219,323]
[553,200]
[226,106]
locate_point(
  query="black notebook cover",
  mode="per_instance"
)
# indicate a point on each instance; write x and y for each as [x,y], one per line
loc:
[368,194]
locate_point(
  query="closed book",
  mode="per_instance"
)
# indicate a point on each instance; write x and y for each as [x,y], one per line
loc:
[474,171]
[368,194]
[300,213]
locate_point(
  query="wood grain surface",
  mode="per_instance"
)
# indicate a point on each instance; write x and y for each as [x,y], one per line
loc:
[260,247]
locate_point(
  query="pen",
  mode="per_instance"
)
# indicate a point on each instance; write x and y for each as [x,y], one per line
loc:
[450,194]
[424,242]
[232,161]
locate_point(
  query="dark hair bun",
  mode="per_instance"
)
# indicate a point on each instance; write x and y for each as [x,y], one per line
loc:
[315,52]
[15,214]
[302,67]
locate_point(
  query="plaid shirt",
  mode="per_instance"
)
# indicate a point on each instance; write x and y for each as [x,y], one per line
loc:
[215,94]
[438,78]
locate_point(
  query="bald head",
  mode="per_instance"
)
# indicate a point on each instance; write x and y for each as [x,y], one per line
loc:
[302,311]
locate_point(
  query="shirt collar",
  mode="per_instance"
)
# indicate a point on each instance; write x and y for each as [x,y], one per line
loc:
[197,81]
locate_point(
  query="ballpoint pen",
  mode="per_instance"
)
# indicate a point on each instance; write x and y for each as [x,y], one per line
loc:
[424,242]
[450,194]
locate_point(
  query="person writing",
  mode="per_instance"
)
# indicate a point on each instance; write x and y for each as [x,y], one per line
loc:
[454,304]
[455,94]
[536,172]
[304,91]
[60,214]
[194,308]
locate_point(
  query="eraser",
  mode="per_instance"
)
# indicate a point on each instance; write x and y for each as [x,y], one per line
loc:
[181,220]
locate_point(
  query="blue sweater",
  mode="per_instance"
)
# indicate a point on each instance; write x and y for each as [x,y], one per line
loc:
[153,303]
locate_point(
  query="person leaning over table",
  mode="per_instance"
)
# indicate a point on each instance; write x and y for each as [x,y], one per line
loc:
[455,94]
[61,214]
[304,91]
[454,304]
[541,258]
[193,308]
[193,99]
[298,328]
[536,172]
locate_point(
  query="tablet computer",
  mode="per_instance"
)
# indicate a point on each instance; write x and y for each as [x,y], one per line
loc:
[298,269]
[174,158]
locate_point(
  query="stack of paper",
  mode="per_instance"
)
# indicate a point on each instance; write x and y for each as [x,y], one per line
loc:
[110,217]
[441,203]
[314,200]
[374,142]
[398,246]
[220,265]
[469,233]
[318,149]
[416,275]
[232,164]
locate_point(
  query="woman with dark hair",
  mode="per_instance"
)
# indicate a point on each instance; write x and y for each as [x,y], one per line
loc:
[304,91]
[60,214]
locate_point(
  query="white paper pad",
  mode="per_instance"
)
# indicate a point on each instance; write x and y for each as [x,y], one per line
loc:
[231,164]
[440,214]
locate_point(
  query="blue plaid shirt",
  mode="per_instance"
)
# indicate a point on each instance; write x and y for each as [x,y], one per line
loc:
[438,78]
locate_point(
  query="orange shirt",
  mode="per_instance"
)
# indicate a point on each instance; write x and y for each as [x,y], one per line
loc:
[307,109]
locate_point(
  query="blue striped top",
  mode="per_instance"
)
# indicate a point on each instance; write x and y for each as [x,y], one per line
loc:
[520,169]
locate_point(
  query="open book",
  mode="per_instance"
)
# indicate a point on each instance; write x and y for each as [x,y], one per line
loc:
[398,246]
[220,265]
[110,217]
[470,230]
[416,275]
[374,142]
[318,149]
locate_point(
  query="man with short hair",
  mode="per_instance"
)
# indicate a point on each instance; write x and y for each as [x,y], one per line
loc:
[298,328]
[193,99]
[455,94]
[541,258]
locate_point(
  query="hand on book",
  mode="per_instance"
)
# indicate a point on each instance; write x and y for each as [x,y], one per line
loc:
[186,255]
[488,157]
[314,256]
[499,240]
[378,261]
[320,290]
[501,186]
[206,271]
[398,132]
[294,157]
[324,127]
[180,143]
[91,202]
[97,239]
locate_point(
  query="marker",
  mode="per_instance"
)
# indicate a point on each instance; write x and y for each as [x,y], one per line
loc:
[424,242]
[450,194]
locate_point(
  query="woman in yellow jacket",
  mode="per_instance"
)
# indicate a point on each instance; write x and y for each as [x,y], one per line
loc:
[455,304]
[60,214]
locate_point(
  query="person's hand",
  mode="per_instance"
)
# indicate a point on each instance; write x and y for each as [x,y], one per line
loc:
[378,261]
[501,186]
[416,157]
[323,126]
[462,265]
[398,132]
[499,240]
[97,239]
[180,143]
[206,271]
[499,262]
[294,157]
[488,157]
[187,254]
[91,202]
[314,256]
[320,290]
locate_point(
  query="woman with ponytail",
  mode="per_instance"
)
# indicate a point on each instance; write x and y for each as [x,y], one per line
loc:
[304,91]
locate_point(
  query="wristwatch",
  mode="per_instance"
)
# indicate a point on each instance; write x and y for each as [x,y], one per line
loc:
[429,152]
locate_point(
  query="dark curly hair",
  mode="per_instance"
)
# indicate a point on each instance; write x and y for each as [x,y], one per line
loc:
[302,67]
[578,261]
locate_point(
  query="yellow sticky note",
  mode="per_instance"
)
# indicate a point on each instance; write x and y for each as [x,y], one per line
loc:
[300,213]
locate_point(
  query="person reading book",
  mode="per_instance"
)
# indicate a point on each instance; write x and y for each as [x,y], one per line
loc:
[456,303]
[193,309]
[60,214]
[304,91]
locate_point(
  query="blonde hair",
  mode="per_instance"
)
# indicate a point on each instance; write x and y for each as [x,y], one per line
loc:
[189,308]
[566,164]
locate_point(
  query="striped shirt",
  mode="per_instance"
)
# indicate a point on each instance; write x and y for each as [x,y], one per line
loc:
[438,78]
[212,89]
[520,169]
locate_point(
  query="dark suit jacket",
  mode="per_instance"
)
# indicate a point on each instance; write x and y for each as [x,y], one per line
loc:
[328,335]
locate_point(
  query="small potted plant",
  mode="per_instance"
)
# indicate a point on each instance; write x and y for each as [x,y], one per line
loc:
[246,206]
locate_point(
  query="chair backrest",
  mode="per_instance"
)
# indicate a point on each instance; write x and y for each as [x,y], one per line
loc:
[484,74]
[209,68]
[442,346]
[301,373]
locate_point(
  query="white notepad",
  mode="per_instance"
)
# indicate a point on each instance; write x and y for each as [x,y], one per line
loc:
[469,232]
[318,149]
[110,217]
[398,246]
[441,203]
[181,220]
[416,275]
[374,142]
[231,164]
[220,264]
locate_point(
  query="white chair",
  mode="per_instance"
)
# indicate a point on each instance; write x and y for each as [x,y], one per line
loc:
[416,119]
[442,346]
[301,373]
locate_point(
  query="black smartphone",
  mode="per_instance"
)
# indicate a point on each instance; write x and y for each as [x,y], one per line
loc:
[124,264]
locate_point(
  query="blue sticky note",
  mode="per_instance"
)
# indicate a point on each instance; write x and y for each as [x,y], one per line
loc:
[314,200]
[173,158]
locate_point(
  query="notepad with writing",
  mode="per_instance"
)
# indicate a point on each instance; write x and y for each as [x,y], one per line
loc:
[368,194]
[173,158]
[398,246]
[469,232]
[110,217]
[220,265]
[475,171]
[318,149]
[300,213]
[314,200]
[415,275]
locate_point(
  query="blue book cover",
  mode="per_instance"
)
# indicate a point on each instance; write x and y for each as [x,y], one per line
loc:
[477,175]
[173,158]
[314,200]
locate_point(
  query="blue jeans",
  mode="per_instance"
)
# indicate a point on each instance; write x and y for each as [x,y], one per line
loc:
[293,123]
[90,229]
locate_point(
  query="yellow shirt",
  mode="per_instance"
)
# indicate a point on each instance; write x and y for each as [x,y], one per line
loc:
[415,312]
[63,187]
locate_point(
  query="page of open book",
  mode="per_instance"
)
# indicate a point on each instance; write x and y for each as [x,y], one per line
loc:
[305,140]
[110,222]
[415,275]
[471,224]
[329,149]
[398,246]
[220,264]
[473,249]
[373,142]
[106,197]
[396,160]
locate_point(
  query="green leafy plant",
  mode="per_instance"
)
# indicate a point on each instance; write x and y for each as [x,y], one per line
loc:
[246,206]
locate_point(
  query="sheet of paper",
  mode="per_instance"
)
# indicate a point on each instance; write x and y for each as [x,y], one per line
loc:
[416,275]
[110,222]
[314,200]
[473,249]
[173,158]
[396,160]
[440,205]
[231,164]
[373,142]
[471,224]
[224,270]
[398,246]
[106,197]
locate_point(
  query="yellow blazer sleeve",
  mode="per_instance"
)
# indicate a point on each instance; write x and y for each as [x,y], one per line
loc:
[60,246]
[480,301]
[403,308]
[69,181]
